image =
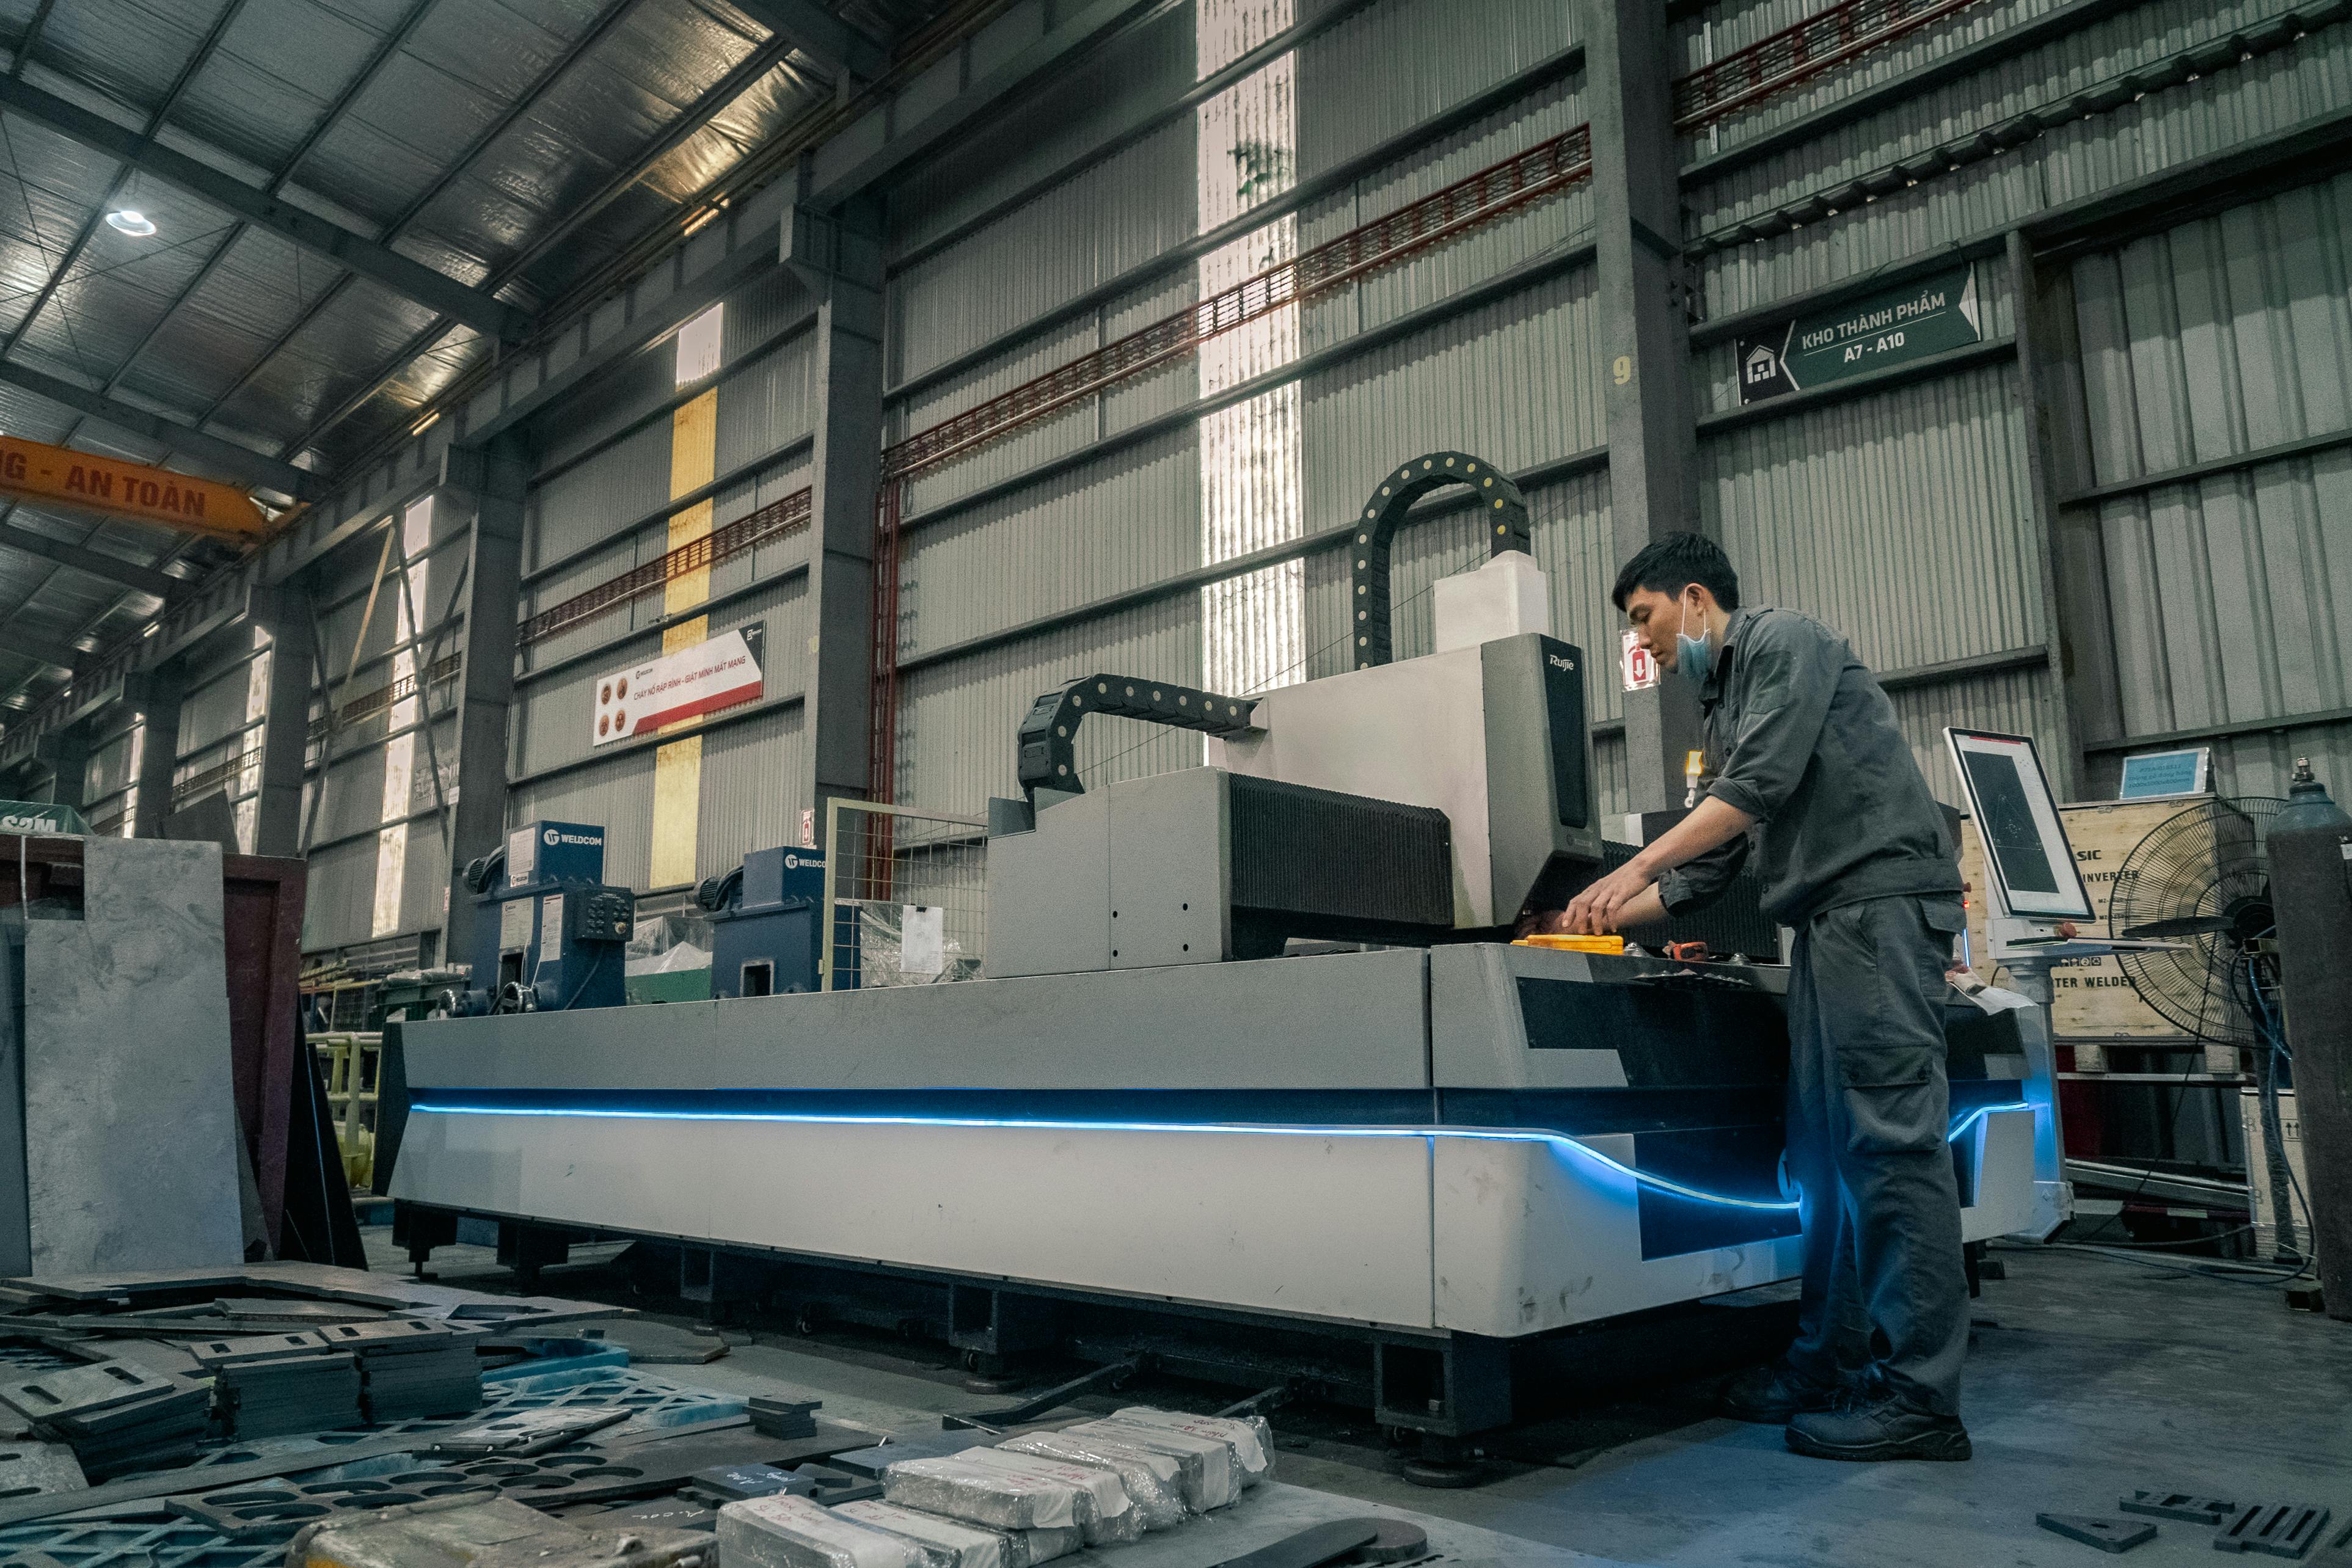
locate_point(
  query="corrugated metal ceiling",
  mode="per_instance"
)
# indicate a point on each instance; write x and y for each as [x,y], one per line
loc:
[517,146]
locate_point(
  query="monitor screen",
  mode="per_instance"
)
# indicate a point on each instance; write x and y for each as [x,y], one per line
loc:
[2027,856]
[2009,824]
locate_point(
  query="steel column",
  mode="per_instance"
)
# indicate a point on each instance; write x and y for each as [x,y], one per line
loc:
[838,257]
[158,700]
[2086,700]
[489,482]
[283,612]
[1644,344]
[66,754]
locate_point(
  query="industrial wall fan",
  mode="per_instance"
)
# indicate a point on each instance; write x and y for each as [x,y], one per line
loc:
[2201,879]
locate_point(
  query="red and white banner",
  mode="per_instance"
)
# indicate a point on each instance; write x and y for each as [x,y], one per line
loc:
[710,675]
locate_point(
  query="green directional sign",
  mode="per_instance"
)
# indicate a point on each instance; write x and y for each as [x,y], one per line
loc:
[40,816]
[1876,332]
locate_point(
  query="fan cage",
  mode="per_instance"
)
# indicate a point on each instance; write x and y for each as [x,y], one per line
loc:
[2210,860]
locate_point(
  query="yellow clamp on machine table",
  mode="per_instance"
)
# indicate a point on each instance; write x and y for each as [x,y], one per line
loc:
[1574,944]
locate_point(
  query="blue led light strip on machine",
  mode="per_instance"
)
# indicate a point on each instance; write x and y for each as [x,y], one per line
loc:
[1558,1140]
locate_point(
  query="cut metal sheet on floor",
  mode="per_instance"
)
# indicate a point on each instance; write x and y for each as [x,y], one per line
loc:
[1271,1511]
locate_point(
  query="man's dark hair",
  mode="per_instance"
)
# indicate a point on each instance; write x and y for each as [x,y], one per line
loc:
[1668,565]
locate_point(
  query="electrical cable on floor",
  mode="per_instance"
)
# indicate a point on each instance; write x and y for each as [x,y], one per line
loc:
[2269,1279]
[2268,1023]
[2272,1025]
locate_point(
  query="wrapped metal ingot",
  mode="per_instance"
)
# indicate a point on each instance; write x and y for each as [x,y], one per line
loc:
[1150,1480]
[1251,1439]
[1208,1475]
[967,1545]
[1016,1491]
[793,1532]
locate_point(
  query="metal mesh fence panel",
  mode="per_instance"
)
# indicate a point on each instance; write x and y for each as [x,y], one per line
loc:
[906,891]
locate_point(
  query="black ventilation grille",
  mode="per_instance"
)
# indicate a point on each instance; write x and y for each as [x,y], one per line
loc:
[1325,855]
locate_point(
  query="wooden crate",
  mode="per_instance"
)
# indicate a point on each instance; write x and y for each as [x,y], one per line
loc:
[2091,999]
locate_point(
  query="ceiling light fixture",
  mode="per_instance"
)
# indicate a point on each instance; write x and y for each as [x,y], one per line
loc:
[133,222]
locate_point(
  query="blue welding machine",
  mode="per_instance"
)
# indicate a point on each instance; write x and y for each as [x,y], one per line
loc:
[766,925]
[550,934]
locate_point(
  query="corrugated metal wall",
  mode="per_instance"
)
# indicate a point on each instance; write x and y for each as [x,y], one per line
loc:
[1073,511]
[601,505]
[112,770]
[1926,486]
[219,747]
[364,652]
[2220,339]
[2167,128]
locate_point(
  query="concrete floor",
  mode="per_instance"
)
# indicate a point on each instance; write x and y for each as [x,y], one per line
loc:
[2089,1377]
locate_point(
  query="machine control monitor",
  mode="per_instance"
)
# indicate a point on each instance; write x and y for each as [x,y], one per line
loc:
[2026,853]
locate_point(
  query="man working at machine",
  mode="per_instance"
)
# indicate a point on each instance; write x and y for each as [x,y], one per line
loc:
[1810,769]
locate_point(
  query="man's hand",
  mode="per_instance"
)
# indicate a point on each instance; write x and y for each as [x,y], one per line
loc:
[1605,906]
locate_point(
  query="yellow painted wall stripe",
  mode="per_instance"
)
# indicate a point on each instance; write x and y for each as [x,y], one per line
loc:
[678,767]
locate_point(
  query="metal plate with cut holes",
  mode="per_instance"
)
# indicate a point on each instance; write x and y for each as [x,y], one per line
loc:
[2114,1536]
[29,1469]
[293,1311]
[388,1336]
[657,1409]
[529,1432]
[23,1358]
[276,1510]
[734,1483]
[127,1544]
[84,1391]
[2184,1506]
[2279,1529]
[241,1350]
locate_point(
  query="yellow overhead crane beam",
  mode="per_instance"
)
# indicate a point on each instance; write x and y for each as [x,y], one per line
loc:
[58,477]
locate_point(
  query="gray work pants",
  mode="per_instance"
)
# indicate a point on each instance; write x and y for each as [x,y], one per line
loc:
[1869,1112]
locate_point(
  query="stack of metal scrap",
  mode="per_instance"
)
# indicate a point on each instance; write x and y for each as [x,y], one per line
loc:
[775,1418]
[410,1367]
[116,1417]
[266,1385]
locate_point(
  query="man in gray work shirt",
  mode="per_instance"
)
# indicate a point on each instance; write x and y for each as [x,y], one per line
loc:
[1813,777]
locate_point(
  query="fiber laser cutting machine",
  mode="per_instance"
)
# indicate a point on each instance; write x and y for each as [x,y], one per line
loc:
[1437,1142]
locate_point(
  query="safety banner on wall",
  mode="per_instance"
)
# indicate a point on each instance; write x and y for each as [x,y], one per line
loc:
[717,673]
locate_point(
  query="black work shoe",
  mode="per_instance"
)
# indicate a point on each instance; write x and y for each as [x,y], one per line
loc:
[1772,1395]
[1874,1425]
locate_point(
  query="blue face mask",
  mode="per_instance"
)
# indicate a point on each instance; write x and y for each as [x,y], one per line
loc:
[1693,657]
